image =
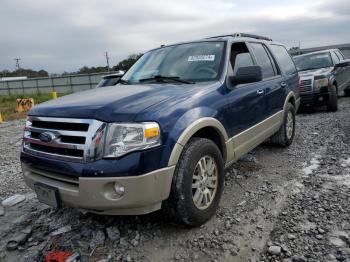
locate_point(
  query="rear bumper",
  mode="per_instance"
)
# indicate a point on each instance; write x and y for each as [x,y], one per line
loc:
[143,193]
[314,99]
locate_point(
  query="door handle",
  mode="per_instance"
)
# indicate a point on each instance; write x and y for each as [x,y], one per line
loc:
[283,84]
[260,91]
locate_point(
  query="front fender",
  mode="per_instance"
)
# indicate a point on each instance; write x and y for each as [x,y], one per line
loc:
[332,81]
[188,124]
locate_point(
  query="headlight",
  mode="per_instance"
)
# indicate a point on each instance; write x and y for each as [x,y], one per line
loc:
[127,137]
[318,83]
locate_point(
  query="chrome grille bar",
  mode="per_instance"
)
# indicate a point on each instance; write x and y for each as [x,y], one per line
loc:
[62,132]
[306,85]
[54,144]
[77,140]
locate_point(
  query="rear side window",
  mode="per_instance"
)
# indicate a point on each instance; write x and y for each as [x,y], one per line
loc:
[263,60]
[283,59]
[240,56]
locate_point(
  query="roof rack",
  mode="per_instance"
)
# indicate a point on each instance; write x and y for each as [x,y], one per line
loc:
[244,35]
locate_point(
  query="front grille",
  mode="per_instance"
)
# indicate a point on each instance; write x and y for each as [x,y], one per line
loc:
[306,86]
[78,140]
[58,150]
[61,125]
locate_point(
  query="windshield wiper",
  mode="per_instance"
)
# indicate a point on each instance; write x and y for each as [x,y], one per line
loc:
[124,82]
[160,78]
[311,68]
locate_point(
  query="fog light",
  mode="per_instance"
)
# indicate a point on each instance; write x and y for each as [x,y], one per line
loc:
[119,189]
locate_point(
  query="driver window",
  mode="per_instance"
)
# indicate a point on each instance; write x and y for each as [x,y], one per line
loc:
[240,56]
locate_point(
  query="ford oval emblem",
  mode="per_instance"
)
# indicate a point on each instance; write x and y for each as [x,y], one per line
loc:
[47,137]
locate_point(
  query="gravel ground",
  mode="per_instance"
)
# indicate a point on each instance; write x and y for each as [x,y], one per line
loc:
[10,170]
[278,205]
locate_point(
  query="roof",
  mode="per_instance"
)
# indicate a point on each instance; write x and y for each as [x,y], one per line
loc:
[244,35]
[338,46]
[317,52]
[228,37]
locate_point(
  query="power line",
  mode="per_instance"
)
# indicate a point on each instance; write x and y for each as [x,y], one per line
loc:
[107,60]
[17,62]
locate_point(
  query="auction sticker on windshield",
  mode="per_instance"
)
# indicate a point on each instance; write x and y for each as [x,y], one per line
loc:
[195,58]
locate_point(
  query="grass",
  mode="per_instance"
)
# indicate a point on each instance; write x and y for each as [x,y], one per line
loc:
[8,104]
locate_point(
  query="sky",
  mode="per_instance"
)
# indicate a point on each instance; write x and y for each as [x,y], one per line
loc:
[62,35]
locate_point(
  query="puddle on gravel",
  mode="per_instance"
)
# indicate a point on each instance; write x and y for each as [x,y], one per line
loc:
[307,226]
[338,238]
[343,179]
[297,188]
[340,179]
[314,164]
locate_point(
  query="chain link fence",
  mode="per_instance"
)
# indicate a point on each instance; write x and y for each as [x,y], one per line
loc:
[60,84]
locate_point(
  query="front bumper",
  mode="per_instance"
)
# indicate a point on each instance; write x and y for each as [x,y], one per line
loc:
[314,99]
[143,193]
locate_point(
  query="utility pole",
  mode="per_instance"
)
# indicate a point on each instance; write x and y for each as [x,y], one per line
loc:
[17,62]
[107,60]
[299,47]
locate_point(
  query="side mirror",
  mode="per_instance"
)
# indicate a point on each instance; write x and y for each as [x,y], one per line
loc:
[343,63]
[120,73]
[246,75]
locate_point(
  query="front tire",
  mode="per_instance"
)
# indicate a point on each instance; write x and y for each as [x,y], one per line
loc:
[347,92]
[332,105]
[285,135]
[198,183]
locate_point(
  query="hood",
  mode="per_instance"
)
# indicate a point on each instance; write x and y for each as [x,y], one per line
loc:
[114,103]
[316,72]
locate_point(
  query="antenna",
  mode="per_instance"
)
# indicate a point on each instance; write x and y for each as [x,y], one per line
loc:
[107,60]
[17,62]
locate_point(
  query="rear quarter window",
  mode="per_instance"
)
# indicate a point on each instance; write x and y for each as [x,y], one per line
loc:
[283,59]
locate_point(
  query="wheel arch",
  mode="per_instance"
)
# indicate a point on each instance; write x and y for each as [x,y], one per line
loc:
[291,98]
[333,82]
[206,127]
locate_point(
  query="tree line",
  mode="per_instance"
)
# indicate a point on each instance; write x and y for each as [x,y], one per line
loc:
[124,65]
[24,72]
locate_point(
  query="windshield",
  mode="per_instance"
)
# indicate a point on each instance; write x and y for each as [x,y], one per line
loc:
[193,62]
[314,61]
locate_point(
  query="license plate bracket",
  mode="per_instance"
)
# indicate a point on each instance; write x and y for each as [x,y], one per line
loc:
[48,195]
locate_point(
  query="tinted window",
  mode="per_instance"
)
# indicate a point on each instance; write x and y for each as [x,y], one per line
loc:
[263,60]
[283,58]
[242,60]
[335,58]
[240,57]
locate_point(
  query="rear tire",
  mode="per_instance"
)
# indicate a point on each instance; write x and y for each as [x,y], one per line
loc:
[332,105]
[285,135]
[197,184]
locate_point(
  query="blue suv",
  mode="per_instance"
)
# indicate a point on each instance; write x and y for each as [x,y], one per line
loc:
[163,136]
